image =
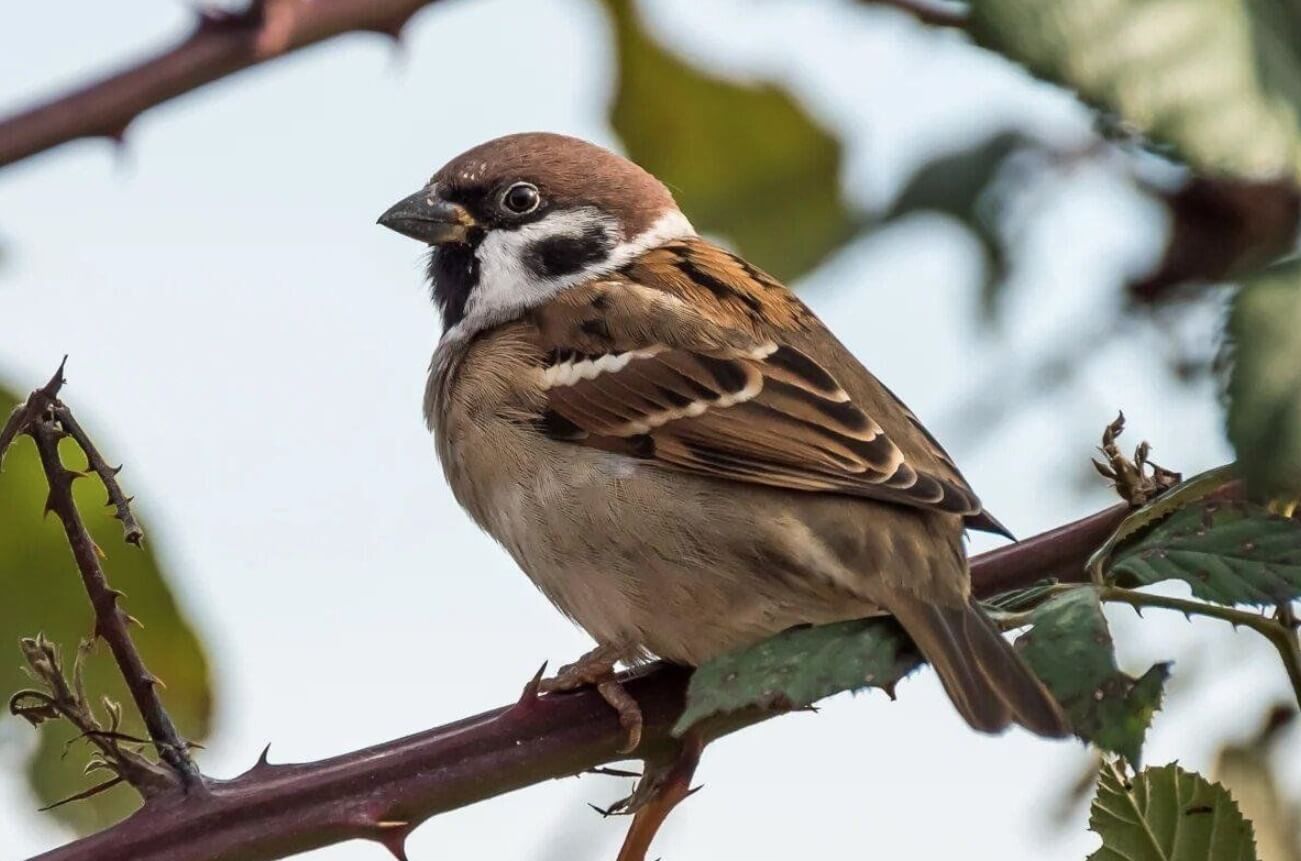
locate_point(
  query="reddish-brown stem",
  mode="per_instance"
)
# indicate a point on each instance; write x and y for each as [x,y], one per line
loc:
[383,792]
[671,790]
[218,46]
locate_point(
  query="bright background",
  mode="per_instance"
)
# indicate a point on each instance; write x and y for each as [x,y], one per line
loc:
[254,348]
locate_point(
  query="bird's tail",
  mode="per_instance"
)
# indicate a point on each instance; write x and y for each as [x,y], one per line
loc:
[986,679]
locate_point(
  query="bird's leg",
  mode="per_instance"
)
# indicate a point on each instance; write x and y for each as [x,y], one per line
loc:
[597,668]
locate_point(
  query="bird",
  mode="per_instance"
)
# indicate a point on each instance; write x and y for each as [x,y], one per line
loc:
[672,446]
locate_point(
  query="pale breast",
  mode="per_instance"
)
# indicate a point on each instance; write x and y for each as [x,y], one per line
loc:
[646,559]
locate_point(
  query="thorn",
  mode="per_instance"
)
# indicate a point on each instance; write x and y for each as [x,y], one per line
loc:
[117,134]
[262,757]
[51,389]
[889,691]
[84,794]
[393,837]
[392,28]
[612,772]
[529,696]
[606,812]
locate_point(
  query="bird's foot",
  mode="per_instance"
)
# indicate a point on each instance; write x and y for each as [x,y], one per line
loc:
[597,668]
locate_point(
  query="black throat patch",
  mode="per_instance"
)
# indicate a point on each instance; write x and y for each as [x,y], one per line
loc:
[557,256]
[453,274]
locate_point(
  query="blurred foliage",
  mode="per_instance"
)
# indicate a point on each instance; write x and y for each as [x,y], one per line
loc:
[1264,419]
[1069,646]
[1220,229]
[43,594]
[1217,80]
[1167,814]
[745,162]
[959,184]
[1251,770]
[1228,552]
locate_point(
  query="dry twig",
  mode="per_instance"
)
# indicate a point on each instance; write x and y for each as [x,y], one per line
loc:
[47,420]
[1138,481]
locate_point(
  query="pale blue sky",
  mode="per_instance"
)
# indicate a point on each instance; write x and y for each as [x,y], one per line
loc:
[254,349]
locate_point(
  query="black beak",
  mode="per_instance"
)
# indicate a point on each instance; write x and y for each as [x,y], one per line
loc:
[425,217]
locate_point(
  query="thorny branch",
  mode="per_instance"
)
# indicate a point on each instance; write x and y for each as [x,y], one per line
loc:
[382,793]
[219,45]
[224,43]
[131,531]
[43,418]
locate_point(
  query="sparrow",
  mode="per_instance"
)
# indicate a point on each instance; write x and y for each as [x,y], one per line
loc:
[671,445]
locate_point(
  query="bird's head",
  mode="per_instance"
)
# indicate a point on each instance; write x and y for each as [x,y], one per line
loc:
[515,220]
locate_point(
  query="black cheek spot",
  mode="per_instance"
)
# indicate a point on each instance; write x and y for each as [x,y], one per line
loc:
[557,256]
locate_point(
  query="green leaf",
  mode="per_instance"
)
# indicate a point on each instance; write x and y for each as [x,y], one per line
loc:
[1228,552]
[1070,648]
[1218,80]
[1167,814]
[744,161]
[798,667]
[1264,420]
[42,592]
[1177,497]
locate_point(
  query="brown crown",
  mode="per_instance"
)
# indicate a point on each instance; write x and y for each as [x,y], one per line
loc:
[568,171]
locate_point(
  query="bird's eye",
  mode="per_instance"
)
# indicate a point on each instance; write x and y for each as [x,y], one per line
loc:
[521,198]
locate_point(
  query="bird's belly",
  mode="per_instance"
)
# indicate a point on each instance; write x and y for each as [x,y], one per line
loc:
[669,564]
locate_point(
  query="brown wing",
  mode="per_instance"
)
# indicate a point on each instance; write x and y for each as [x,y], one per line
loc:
[679,362]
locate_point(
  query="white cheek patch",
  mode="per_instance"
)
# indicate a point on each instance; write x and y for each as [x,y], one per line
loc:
[507,286]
